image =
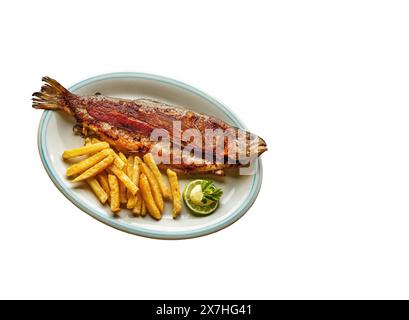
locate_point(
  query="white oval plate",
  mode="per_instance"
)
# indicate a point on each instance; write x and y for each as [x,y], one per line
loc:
[55,135]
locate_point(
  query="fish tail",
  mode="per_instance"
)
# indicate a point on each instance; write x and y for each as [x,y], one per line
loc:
[51,97]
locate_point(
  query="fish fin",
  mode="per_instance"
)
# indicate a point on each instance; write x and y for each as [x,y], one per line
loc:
[51,97]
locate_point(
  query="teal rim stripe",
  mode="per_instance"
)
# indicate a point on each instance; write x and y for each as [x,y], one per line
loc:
[119,224]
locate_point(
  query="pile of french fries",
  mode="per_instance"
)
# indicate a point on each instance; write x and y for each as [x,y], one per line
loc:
[121,181]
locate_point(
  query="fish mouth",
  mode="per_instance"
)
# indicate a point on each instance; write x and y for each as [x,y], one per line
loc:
[262,146]
[257,147]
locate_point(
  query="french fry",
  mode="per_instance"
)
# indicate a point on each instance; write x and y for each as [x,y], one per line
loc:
[123,198]
[123,158]
[92,141]
[132,199]
[122,193]
[129,170]
[157,195]
[92,148]
[118,161]
[143,209]
[137,209]
[93,171]
[114,196]
[130,166]
[99,192]
[174,186]
[148,198]
[87,163]
[124,178]
[103,181]
[164,188]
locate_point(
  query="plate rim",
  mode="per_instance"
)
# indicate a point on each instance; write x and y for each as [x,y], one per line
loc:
[135,229]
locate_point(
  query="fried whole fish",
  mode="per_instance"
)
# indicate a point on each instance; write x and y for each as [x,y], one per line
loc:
[132,126]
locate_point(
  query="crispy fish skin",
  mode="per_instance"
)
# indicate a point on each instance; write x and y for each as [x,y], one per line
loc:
[128,124]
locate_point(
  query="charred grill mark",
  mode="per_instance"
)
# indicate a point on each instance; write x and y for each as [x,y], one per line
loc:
[120,120]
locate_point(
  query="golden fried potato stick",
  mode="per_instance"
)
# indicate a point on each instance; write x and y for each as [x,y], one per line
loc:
[133,199]
[89,141]
[164,188]
[87,163]
[114,196]
[130,166]
[99,192]
[122,188]
[157,195]
[148,198]
[137,209]
[124,178]
[122,193]
[118,161]
[129,171]
[93,171]
[174,186]
[92,148]
[123,158]
[103,181]
[143,209]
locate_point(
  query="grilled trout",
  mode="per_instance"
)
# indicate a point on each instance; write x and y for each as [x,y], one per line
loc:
[183,140]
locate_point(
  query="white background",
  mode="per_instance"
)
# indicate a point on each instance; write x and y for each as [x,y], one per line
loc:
[325,83]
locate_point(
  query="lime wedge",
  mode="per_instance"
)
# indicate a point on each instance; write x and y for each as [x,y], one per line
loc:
[192,203]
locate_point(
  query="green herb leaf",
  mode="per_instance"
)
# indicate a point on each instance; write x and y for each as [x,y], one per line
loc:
[210,191]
